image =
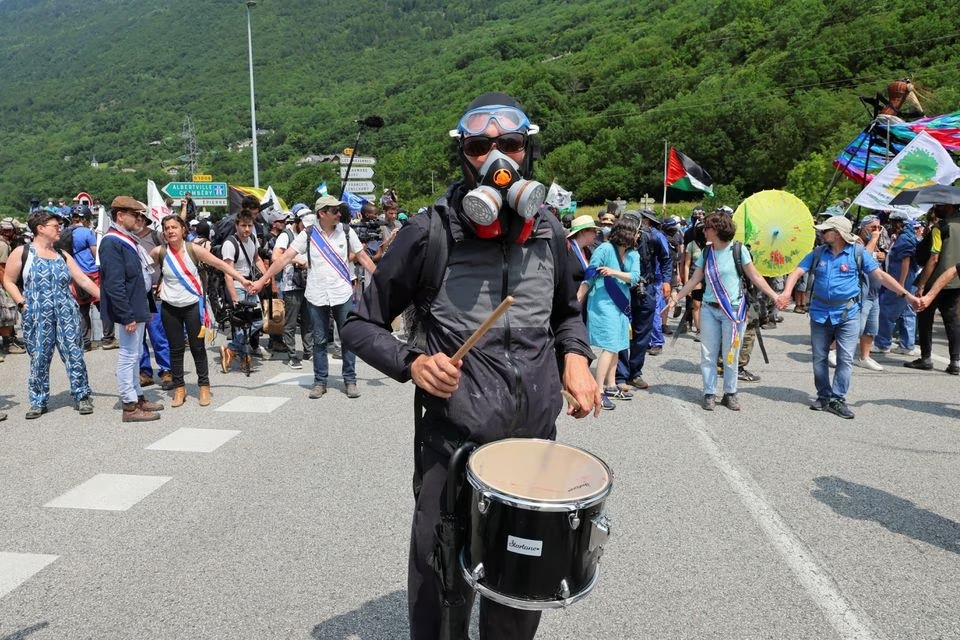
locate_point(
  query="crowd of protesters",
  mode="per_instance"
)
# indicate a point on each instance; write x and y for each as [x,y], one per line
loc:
[632,268]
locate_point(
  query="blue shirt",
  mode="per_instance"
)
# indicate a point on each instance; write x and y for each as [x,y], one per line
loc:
[83,240]
[728,272]
[836,282]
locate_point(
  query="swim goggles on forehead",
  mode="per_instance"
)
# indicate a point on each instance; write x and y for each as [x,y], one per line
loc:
[509,119]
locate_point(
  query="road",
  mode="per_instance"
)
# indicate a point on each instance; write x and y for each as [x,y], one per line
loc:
[269,515]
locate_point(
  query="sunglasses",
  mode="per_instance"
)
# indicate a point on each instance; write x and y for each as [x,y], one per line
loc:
[481,145]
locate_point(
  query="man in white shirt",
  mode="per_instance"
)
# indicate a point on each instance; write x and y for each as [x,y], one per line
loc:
[332,248]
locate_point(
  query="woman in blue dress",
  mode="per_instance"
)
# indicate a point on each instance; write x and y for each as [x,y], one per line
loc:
[51,316]
[616,268]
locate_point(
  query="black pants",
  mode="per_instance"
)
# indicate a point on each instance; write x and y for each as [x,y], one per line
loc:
[945,302]
[175,321]
[497,622]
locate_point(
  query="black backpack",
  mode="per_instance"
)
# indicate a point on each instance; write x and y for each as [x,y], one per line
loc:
[65,243]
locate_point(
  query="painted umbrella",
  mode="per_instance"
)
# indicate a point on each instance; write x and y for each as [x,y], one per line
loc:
[778,229]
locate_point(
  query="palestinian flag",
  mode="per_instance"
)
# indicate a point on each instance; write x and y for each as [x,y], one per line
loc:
[686,175]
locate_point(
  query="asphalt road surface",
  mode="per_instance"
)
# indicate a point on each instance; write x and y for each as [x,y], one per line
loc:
[269,515]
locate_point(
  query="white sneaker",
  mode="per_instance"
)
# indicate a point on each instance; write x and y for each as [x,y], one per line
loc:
[868,363]
[832,358]
[876,349]
[907,352]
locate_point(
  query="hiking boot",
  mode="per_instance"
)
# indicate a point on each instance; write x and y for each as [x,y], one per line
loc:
[166,380]
[709,402]
[638,383]
[730,401]
[226,357]
[617,393]
[868,363]
[352,390]
[84,406]
[654,351]
[133,413]
[923,364]
[106,345]
[146,405]
[606,403]
[819,404]
[746,376]
[953,368]
[318,391]
[294,363]
[90,346]
[35,412]
[839,408]
[146,380]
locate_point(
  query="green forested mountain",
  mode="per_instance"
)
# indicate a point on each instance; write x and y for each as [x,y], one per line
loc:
[762,93]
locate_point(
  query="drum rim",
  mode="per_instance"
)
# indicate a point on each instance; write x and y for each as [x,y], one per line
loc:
[523,603]
[532,504]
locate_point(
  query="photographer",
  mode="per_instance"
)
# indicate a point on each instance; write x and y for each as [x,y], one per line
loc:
[370,230]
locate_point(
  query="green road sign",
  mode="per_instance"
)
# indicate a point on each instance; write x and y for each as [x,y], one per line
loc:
[196,189]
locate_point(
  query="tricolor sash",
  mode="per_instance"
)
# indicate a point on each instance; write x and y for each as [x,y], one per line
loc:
[190,282]
[712,273]
[329,254]
[129,242]
[588,271]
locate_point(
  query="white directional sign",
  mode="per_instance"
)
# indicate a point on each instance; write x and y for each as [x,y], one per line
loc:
[360,173]
[367,161]
[359,186]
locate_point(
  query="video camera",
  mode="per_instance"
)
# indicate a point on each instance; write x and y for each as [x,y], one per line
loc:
[367,231]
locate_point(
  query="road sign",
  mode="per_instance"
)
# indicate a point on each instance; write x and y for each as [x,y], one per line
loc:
[198,190]
[360,173]
[202,177]
[359,160]
[359,186]
[205,202]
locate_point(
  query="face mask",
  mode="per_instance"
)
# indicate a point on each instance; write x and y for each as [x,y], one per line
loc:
[499,181]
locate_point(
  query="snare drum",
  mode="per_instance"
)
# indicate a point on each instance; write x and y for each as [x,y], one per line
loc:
[537,524]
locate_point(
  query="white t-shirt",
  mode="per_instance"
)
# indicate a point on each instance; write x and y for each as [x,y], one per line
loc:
[173,292]
[286,276]
[240,263]
[325,286]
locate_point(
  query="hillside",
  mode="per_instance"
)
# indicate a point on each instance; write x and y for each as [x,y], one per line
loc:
[751,89]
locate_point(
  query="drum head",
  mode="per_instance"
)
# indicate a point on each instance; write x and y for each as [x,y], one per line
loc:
[540,470]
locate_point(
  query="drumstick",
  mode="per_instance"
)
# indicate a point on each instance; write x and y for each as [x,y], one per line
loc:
[472,340]
[570,399]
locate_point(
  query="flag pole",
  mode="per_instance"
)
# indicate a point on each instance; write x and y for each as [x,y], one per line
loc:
[666,161]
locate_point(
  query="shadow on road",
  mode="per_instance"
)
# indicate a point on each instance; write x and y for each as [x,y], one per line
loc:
[28,631]
[939,409]
[893,513]
[382,619]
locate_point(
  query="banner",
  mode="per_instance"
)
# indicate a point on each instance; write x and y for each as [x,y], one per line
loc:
[922,162]
[558,197]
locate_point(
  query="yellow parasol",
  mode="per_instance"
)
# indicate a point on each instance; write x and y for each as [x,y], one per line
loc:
[778,229]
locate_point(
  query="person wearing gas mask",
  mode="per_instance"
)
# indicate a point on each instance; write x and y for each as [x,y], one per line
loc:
[497,244]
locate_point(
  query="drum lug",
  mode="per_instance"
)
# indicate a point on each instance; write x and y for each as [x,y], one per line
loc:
[599,533]
[574,520]
[483,503]
[478,572]
[564,592]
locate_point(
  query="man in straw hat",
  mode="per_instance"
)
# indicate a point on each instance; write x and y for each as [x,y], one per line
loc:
[838,268]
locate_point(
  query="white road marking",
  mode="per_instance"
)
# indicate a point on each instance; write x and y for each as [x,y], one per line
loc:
[291,378]
[17,568]
[109,492]
[253,404]
[849,621]
[194,440]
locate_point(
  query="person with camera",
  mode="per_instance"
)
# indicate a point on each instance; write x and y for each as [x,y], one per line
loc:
[293,284]
[242,252]
[331,246]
